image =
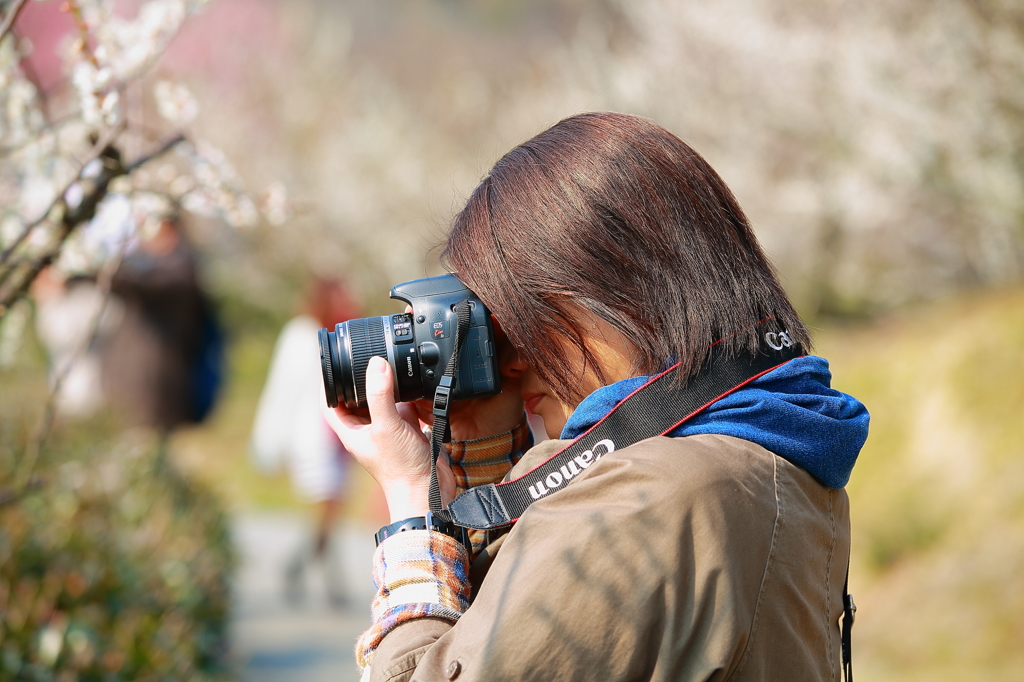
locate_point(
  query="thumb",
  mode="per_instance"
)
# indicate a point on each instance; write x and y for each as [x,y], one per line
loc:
[380,395]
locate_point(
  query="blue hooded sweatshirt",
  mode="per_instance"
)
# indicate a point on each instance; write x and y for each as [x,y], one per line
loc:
[791,411]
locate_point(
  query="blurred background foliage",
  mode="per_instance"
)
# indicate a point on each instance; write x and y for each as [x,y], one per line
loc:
[938,492]
[877,148]
[113,564]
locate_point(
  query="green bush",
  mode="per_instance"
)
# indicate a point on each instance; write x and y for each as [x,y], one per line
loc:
[114,566]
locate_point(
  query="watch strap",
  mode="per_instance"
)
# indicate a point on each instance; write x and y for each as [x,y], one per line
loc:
[428,522]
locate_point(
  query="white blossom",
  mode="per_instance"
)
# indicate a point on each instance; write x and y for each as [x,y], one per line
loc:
[109,233]
[10,228]
[86,79]
[243,213]
[109,108]
[120,185]
[73,195]
[149,210]
[175,103]
[50,644]
[37,192]
[200,201]
[21,95]
[181,185]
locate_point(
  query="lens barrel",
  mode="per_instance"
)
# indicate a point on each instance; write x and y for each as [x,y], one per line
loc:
[344,355]
[366,339]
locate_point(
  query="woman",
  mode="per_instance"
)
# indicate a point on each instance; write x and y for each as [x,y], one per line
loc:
[608,249]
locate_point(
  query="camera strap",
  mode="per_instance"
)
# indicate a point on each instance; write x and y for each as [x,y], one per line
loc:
[440,432]
[849,615]
[654,409]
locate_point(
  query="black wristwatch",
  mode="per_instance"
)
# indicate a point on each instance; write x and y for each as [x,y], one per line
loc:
[428,522]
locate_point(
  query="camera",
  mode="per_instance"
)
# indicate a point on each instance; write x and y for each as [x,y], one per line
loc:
[417,345]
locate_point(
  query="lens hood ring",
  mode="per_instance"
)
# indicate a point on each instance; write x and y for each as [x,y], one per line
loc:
[327,367]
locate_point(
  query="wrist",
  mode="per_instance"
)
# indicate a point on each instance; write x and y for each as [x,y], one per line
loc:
[406,500]
[467,430]
[426,522]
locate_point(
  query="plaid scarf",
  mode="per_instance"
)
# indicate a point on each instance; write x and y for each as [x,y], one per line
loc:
[487,460]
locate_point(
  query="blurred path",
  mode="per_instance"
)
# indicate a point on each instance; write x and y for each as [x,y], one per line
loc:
[273,641]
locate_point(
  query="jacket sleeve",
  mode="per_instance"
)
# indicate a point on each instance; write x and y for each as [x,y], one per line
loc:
[401,653]
[424,575]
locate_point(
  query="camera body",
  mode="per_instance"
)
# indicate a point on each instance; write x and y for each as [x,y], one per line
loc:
[417,345]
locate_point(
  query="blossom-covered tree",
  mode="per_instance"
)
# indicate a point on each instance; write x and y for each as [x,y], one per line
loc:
[85,143]
[112,565]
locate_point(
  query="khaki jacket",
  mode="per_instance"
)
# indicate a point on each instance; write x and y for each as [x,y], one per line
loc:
[698,558]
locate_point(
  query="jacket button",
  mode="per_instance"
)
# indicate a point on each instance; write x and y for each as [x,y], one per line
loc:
[454,668]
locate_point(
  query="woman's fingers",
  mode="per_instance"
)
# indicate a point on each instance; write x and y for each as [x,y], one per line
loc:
[380,397]
[411,415]
[353,427]
[389,444]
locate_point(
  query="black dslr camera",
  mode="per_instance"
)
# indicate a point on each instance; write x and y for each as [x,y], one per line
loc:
[417,345]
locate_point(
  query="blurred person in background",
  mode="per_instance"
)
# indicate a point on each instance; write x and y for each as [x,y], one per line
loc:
[68,328]
[73,315]
[162,365]
[289,429]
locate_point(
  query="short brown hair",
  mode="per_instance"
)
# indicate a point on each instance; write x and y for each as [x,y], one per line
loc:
[615,215]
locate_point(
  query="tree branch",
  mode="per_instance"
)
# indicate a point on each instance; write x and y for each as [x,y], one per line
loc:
[159,151]
[84,212]
[23,475]
[94,153]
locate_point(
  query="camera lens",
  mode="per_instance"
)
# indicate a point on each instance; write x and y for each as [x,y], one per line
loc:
[345,353]
[328,366]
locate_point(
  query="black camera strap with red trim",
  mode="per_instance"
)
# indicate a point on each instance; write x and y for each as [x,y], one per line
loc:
[654,409]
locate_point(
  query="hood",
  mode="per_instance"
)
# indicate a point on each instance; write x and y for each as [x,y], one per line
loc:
[791,411]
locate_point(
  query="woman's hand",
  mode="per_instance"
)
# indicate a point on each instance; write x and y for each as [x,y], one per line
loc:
[390,445]
[389,442]
[485,417]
